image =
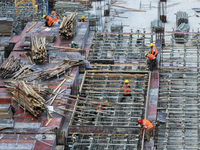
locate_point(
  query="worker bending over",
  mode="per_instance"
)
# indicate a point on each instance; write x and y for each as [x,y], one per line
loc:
[127,91]
[151,61]
[49,21]
[148,126]
[154,50]
[82,19]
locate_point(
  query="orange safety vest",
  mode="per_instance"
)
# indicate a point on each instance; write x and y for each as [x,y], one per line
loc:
[82,20]
[151,56]
[147,123]
[127,89]
[97,108]
[154,51]
[49,21]
[54,17]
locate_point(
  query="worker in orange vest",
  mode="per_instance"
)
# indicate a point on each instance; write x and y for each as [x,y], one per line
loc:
[102,106]
[148,126]
[127,91]
[82,19]
[151,61]
[154,50]
[97,108]
[49,21]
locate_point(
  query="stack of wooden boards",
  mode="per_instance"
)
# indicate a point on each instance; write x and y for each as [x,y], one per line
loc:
[5,26]
[38,49]
[11,65]
[5,111]
[58,70]
[28,98]
[68,26]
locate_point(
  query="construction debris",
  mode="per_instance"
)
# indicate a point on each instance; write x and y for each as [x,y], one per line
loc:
[68,26]
[38,49]
[24,95]
[11,65]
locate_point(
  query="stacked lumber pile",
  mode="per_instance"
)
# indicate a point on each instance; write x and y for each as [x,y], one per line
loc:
[6,26]
[58,70]
[68,26]
[42,90]
[38,49]
[11,65]
[26,97]
[5,111]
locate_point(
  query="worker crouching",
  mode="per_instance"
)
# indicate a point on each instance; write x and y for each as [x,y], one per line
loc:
[148,126]
[82,19]
[151,61]
[49,21]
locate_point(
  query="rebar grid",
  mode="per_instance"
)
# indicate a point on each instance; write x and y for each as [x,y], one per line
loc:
[179,98]
[103,141]
[126,50]
[122,111]
[22,13]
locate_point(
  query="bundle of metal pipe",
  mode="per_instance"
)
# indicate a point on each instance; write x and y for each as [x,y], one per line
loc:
[61,7]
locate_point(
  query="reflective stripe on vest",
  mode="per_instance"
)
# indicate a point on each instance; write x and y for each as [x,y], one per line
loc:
[146,121]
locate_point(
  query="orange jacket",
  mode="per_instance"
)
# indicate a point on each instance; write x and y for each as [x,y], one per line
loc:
[97,108]
[154,51]
[151,56]
[82,20]
[127,88]
[147,123]
[49,21]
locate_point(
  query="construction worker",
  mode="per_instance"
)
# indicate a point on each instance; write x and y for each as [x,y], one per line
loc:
[102,106]
[151,61]
[98,107]
[127,91]
[148,126]
[82,19]
[49,21]
[154,50]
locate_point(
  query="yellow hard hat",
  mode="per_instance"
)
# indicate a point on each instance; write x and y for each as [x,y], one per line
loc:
[82,17]
[146,54]
[151,44]
[126,81]
[44,16]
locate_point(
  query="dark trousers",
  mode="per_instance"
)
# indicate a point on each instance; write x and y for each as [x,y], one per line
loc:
[46,24]
[148,134]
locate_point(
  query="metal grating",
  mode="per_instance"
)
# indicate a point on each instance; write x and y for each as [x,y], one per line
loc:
[179,98]
[116,113]
[126,50]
